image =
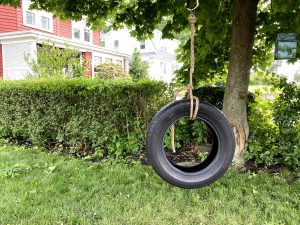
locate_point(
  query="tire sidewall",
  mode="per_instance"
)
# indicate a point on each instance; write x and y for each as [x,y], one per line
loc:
[155,139]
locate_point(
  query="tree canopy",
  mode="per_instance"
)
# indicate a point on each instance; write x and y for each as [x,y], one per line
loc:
[213,30]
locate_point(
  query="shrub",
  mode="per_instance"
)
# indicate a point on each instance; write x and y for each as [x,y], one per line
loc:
[215,95]
[260,79]
[263,140]
[111,71]
[137,68]
[274,126]
[287,117]
[55,62]
[82,116]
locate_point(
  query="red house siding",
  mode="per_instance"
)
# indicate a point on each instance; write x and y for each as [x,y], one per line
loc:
[88,56]
[63,29]
[8,19]
[11,20]
[1,63]
[96,38]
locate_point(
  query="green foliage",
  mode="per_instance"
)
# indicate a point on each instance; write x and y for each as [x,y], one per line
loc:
[274,126]
[210,94]
[92,117]
[55,62]
[187,133]
[263,140]
[138,69]
[215,95]
[287,118]
[213,30]
[260,79]
[111,71]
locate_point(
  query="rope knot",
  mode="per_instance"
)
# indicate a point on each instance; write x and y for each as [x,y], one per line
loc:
[192,19]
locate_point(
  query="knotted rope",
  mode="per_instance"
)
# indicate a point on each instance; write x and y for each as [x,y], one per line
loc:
[193,110]
[194,107]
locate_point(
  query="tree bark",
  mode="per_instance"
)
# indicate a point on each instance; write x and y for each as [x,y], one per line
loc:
[241,54]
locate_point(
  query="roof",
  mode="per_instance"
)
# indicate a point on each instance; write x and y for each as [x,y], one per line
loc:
[159,54]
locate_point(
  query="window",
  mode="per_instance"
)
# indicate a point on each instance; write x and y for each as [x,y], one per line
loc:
[81,32]
[45,23]
[108,60]
[143,45]
[76,33]
[97,60]
[163,48]
[37,19]
[119,62]
[30,18]
[116,44]
[87,34]
[163,67]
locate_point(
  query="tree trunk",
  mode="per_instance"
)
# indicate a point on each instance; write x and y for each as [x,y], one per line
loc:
[241,54]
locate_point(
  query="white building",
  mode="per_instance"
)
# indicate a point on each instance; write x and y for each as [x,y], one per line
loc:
[287,69]
[23,30]
[158,53]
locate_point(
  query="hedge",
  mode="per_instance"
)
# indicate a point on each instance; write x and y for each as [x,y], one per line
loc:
[83,116]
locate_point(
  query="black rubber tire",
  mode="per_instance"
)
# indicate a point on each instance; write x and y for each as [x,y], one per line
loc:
[206,172]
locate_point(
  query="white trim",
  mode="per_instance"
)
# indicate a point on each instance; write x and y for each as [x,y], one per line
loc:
[39,37]
[3,62]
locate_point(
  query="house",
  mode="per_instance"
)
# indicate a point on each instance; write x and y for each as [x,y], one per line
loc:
[290,70]
[22,30]
[157,52]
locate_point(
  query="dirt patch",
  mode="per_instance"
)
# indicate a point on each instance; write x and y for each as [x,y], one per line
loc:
[258,168]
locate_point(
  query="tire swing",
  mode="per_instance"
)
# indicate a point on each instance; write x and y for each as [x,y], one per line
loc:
[211,160]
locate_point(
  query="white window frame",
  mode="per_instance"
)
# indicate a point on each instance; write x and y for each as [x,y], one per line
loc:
[81,26]
[116,44]
[48,24]
[33,18]
[88,31]
[143,45]
[73,33]
[98,60]
[38,14]
[119,61]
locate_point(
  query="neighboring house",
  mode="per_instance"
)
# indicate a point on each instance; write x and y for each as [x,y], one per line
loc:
[282,67]
[23,30]
[158,53]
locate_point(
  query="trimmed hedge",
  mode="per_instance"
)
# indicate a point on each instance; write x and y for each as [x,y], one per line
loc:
[83,116]
[215,95]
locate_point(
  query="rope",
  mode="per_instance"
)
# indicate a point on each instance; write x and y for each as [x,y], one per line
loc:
[173,138]
[193,110]
[194,107]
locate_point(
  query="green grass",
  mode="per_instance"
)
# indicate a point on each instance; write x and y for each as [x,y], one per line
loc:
[252,88]
[40,188]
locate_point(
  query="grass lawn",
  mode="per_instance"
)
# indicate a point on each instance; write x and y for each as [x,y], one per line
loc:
[40,188]
[252,88]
